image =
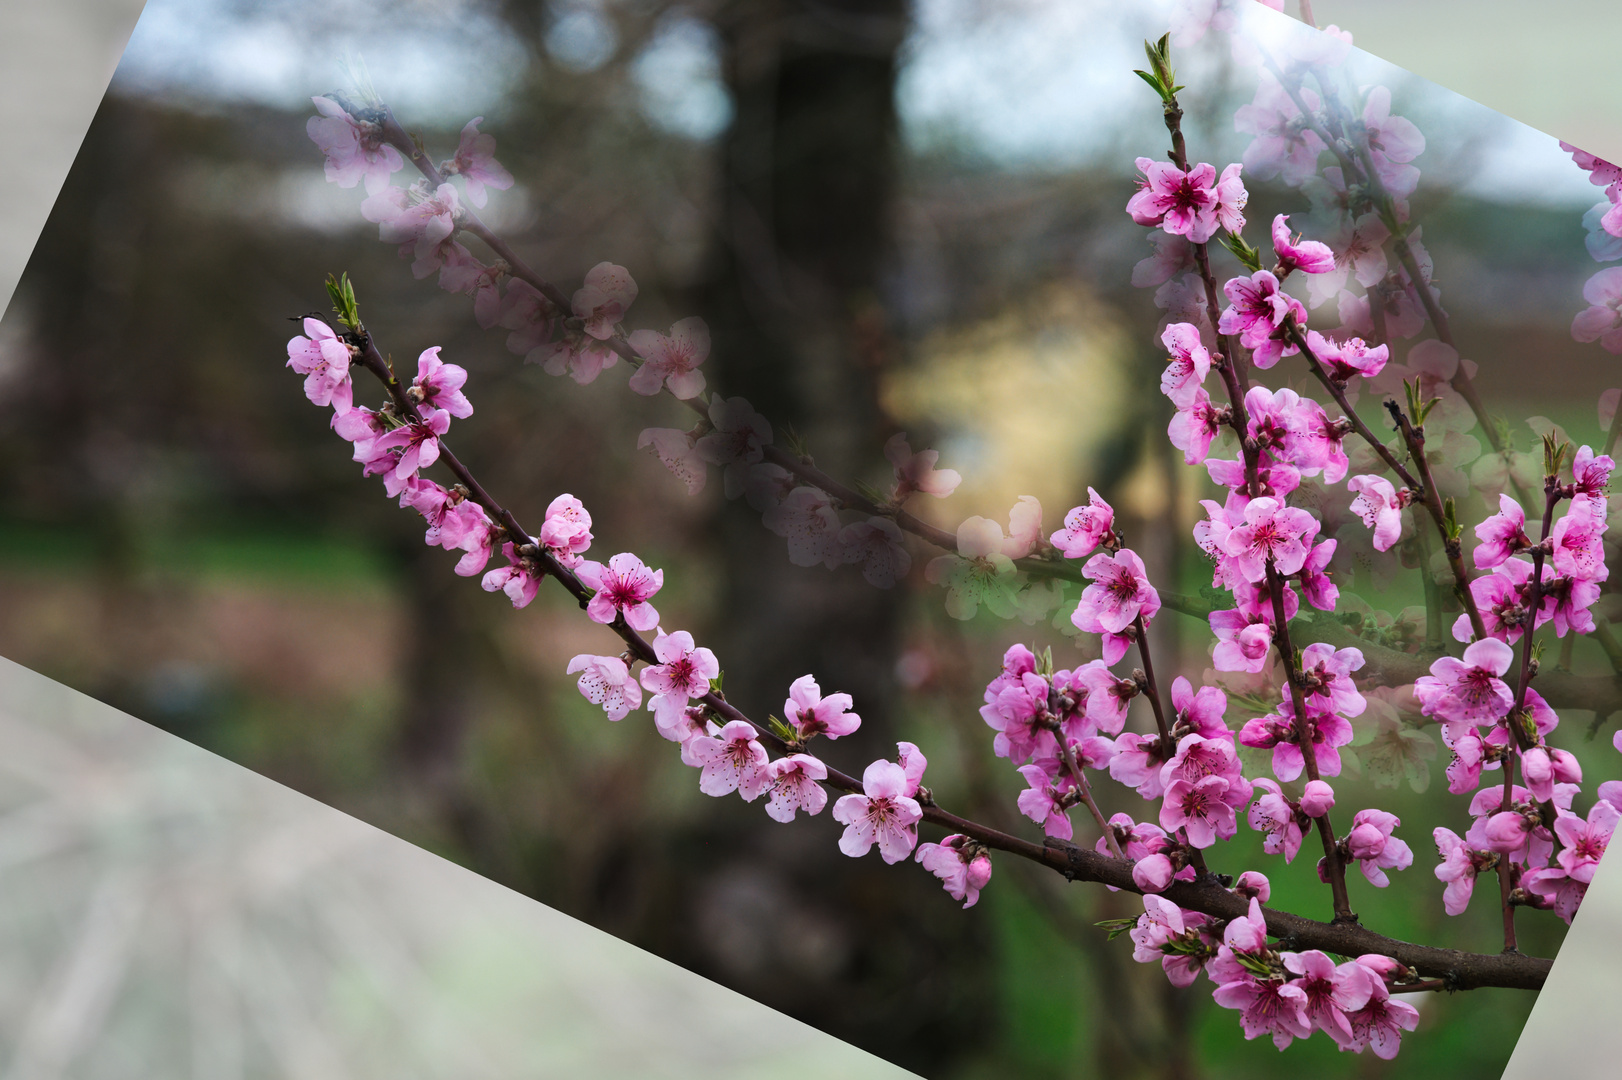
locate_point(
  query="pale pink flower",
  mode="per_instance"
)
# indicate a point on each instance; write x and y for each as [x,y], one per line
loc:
[529,316]
[682,674]
[794,786]
[1602,320]
[354,149]
[672,361]
[323,359]
[738,441]
[732,760]
[603,298]
[576,352]
[1040,801]
[1591,475]
[978,574]
[1243,642]
[1459,867]
[606,681]
[416,219]
[1577,540]
[1380,507]
[460,272]
[917,472]
[1231,198]
[811,714]
[1359,250]
[1173,255]
[876,544]
[1195,425]
[1164,924]
[450,517]
[1583,842]
[623,588]
[1393,142]
[1253,885]
[475,161]
[963,866]
[1281,821]
[808,521]
[884,814]
[677,451]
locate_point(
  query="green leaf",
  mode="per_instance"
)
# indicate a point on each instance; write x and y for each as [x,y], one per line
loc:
[1117,927]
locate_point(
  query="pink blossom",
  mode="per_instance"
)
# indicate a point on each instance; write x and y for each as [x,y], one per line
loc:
[1280,819]
[1316,584]
[1258,311]
[1307,256]
[884,814]
[1370,842]
[794,786]
[417,441]
[1459,867]
[672,361]
[576,352]
[1243,641]
[1119,595]
[438,385]
[520,579]
[1582,843]
[477,544]
[682,674]
[1137,763]
[1040,801]
[677,451]
[450,517]
[917,472]
[1501,598]
[602,300]
[1502,535]
[1085,527]
[475,161]
[1231,198]
[963,866]
[1182,203]
[1253,884]
[461,272]
[566,532]
[1190,363]
[1379,1024]
[354,149]
[739,439]
[1271,534]
[1195,425]
[1153,873]
[623,588]
[1161,925]
[606,681]
[1380,507]
[1577,540]
[732,760]
[323,358]
[811,714]
[1200,808]
[1284,145]
[1201,712]
[1591,475]
[1331,990]
[1327,675]
[1468,691]
[876,544]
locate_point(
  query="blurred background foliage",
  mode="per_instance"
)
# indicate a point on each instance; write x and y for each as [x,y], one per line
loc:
[893,217]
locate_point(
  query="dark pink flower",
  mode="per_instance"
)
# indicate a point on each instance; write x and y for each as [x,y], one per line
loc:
[963,866]
[1307,256]
[438,385]
[1332,990]
[1194,425]
[1370,842]
[1085,527]
[1379,1024]
[1182,203]
[417,441]
[1258,310]
[1502,535]
[1468,691]
[623,588]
